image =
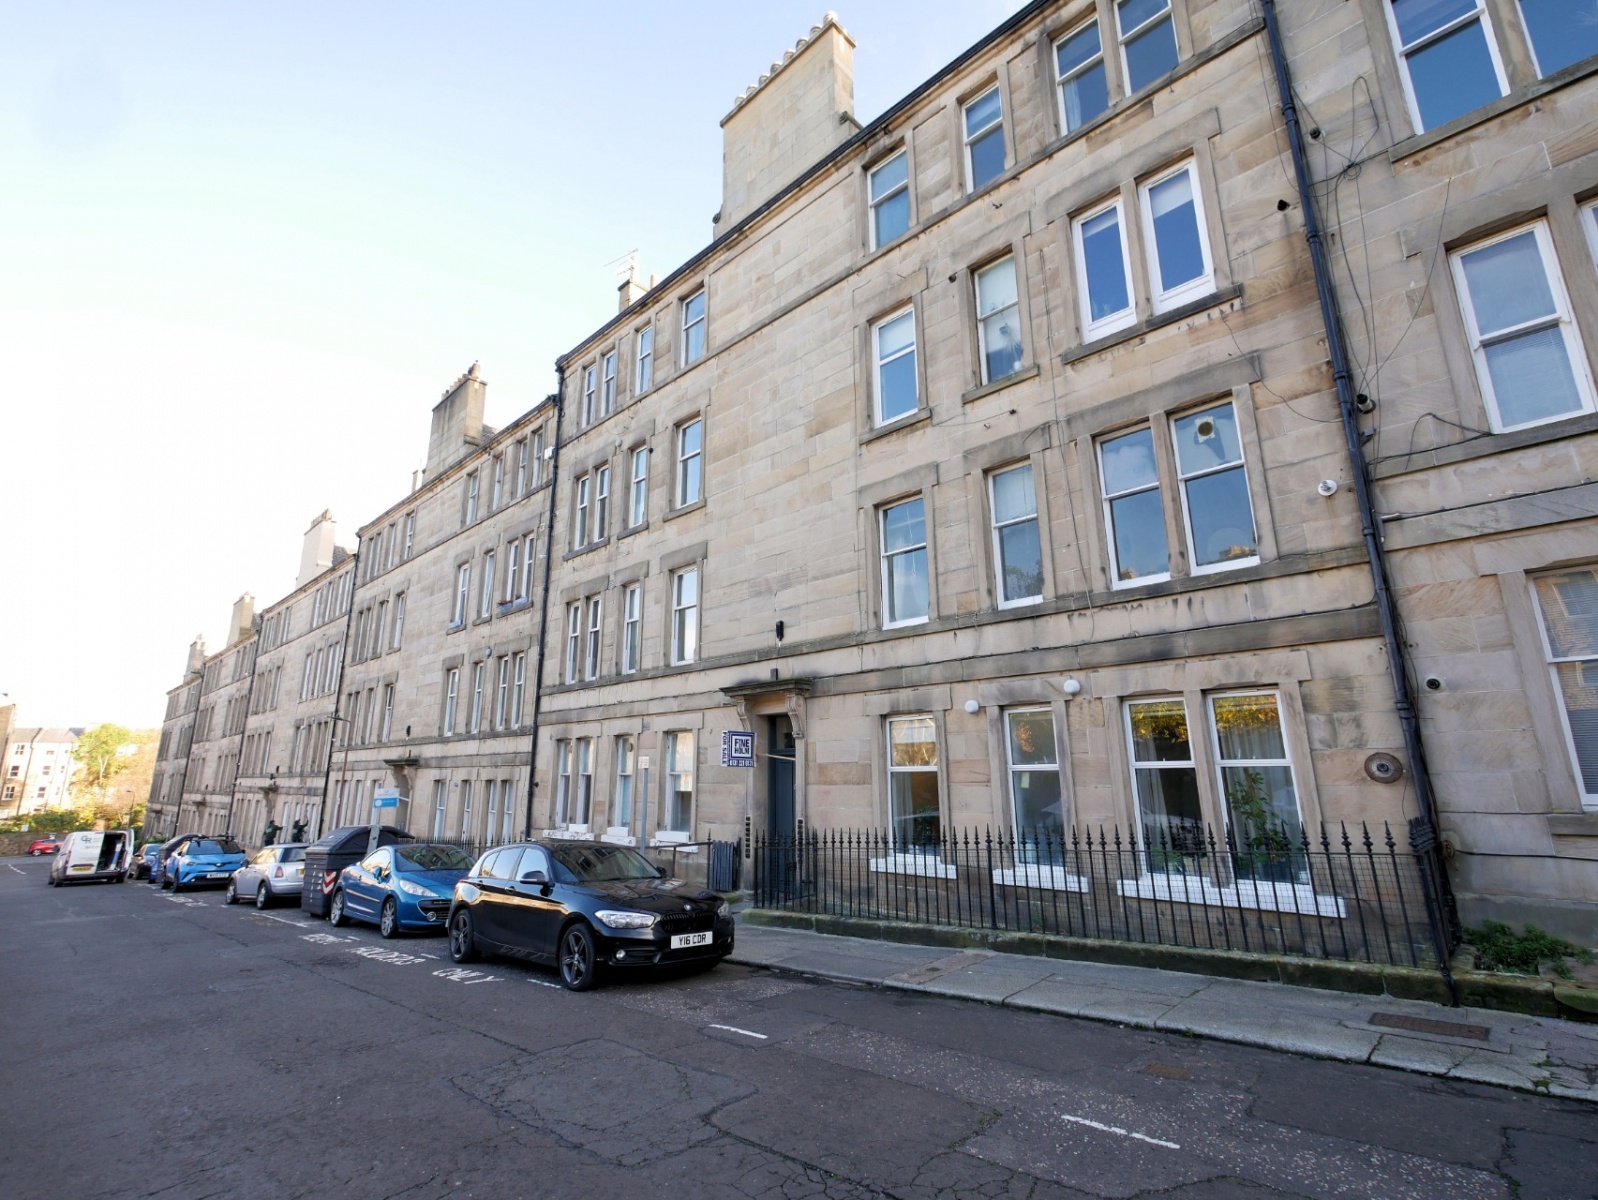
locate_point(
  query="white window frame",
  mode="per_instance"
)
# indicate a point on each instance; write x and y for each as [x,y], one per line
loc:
[474,722]
[607,384]
[645,360]
[1122,318]
[1562,318]
[502,692]
[638,499]
[983,317]
[1552,662]
[905,858]
[887,555]
[967,137]
[686,457]
[410,536]
[521,466]
[518,686]
[563,782]
[874,202]
[632,610]
[673,770]
[1241,462]
[399,622]
[463,588]
[582,487]
[1402,52]
[1165,299]
[1221,763]
[590,393]
[474,486]
[440,807]
[452,683]
[601,503]
[525,587]
[688,322]
[485,603]
[1109,517]
[684,618]
[582,812]
[996,527]
[1123,36]
[574,634]
[513,568]
[466,810]
[591,643]
[387,728]
[496,489]
[625,792]
[878,362]
[1061,81]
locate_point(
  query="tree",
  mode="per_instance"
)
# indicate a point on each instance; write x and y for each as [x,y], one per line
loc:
[115,767]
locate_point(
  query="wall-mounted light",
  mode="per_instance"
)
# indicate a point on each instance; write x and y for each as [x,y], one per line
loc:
[1071,687]
[972,707]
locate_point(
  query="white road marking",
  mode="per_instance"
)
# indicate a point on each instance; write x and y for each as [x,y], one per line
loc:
[1102,1128]
[542,982]
[270,917]
[463,975]
[735,1029]
[378,954]
[321,939]
[16,868]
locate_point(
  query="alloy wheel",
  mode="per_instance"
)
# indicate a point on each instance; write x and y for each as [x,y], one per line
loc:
[577,967]
[462,944]
[262,897]
[388,920]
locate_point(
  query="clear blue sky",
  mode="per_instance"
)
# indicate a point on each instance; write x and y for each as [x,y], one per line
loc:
[247,246]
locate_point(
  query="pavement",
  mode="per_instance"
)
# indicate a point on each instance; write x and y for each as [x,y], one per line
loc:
[1535,1054]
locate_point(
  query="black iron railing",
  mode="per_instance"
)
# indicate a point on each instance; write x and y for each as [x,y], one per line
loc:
[1351,893]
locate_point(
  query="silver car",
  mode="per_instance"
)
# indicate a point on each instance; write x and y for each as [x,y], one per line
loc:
[272,874]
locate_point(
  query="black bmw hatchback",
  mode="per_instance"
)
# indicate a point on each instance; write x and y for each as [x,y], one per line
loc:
[586,907]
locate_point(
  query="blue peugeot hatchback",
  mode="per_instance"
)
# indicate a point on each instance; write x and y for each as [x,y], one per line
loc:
[202,860]
[400,887]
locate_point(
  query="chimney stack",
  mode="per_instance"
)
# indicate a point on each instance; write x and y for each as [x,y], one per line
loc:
[196,662]
[243,619]
[801,110]
[457,422]
[631,292]
[317,554]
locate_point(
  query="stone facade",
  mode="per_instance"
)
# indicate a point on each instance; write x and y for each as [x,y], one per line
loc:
[988,468]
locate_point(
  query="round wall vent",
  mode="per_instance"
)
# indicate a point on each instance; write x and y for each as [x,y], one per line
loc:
[1384,768]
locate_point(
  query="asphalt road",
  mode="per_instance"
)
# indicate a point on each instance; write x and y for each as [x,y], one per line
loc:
[178,1048]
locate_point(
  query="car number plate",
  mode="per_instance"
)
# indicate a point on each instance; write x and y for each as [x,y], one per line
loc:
[217,875]
[681,941]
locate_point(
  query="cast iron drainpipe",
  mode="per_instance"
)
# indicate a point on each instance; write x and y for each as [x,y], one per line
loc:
[1386,606]
[543,600]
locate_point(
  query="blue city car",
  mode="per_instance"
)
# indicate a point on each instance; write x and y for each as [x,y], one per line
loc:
[400,887]
[586,907]
[201,860]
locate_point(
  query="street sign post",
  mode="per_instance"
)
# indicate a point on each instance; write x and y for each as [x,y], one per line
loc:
[381,798]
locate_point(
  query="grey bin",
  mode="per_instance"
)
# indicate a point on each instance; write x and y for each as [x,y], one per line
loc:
[725,869]
[331,853]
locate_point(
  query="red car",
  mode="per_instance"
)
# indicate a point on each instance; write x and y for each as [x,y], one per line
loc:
[44,845]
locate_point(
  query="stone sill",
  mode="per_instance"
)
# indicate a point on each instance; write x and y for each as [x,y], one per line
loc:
[673,514]
[1482,446]
[1131,333]
[998,385]
[1573,824]
[916,418]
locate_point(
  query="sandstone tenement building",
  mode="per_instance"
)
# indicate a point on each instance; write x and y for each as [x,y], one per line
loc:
[1015,459]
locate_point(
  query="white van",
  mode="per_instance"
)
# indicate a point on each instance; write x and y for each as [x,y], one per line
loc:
[89,855]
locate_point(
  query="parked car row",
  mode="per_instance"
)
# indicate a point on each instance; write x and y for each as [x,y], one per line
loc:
[586,908]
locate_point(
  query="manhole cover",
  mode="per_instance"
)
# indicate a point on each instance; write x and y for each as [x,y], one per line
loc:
[1427,1025]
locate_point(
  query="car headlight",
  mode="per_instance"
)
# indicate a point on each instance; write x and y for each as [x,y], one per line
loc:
[414,889]
[722,910]
[626,920]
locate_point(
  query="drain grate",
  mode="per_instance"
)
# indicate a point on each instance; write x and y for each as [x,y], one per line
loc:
[1427,1025]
